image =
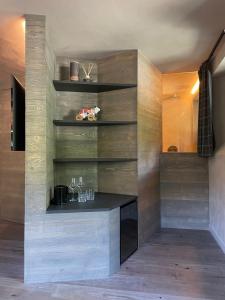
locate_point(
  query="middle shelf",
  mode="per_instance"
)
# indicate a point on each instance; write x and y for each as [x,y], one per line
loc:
[99,159]
[91,123]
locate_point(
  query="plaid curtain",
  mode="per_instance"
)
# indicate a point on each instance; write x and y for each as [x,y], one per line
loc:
[206,141]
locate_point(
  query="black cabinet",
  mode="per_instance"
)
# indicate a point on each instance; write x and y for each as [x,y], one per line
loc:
[128,230]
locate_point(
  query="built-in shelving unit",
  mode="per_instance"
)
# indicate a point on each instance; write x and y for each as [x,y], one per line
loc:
[92,123]
[119,174]
[99,159]
[88,87]
[104,152]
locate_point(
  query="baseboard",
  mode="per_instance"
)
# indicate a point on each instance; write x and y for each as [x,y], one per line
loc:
[220,242]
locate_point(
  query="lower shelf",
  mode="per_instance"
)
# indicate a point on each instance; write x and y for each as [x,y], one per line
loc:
[102,202]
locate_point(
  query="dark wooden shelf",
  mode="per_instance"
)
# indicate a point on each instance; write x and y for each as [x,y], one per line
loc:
[102,202]
[77,160]
[89,87]
[91,123]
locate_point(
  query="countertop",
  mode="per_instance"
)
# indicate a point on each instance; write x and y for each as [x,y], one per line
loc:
[102,202]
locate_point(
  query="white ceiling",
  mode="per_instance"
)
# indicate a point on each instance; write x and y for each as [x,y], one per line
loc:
[176,35]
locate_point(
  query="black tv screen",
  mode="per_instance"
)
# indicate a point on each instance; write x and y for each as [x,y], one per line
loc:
[18,115]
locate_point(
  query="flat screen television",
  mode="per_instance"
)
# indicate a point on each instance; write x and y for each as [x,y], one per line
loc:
[18,115]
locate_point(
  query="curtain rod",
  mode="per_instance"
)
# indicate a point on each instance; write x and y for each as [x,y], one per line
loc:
[216,45]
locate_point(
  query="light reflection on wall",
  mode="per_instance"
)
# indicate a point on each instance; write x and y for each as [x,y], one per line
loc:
[12,43]
[180,111]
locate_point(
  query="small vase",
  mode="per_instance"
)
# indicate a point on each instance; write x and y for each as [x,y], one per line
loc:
[74,71]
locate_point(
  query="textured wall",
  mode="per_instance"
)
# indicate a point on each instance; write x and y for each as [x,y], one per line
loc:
[57,246]
[72,246]
[39,155]
[184,191]
[118,141]
[74,141]
[149,146]
[12,167]
[217,163]
[39,115]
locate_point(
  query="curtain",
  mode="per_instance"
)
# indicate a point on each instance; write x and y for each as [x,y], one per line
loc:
[206,141]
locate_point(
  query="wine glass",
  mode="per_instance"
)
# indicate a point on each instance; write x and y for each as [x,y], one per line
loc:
[72,189]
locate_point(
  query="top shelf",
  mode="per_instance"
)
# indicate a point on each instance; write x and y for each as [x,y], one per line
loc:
[88,87]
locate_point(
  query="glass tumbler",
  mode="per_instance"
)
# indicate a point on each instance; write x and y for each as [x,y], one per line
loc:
[82,196]
[90,194]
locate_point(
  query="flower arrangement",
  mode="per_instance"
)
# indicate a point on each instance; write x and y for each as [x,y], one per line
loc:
[89,114]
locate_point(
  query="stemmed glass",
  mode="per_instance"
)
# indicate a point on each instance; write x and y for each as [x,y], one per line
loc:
[72,189]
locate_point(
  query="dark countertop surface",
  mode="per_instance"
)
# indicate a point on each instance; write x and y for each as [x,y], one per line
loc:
[102,202]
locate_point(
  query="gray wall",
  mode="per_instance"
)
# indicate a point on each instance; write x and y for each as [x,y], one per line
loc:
[149,117]
[12,167]
[57,246]
[118,141]
[39,175]
[217,164]
[72,246]
[144,140]
[184,191]
[40,96]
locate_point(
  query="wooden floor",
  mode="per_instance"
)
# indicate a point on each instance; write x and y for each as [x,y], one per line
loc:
[175,265]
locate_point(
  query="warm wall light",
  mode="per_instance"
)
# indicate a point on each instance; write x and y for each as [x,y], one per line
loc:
[24,23]
[195,87]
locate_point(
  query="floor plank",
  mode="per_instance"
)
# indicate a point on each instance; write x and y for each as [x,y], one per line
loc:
[174,265]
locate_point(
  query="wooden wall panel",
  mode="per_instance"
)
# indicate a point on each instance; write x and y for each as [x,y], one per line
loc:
[184,191]
[149,147]
[12,163]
